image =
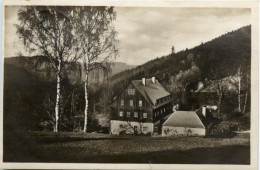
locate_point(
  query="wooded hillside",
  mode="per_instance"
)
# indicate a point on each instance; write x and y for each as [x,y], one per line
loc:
[28,98]
[227,52]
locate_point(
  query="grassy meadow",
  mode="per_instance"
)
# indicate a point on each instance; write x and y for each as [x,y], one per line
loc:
[105,148]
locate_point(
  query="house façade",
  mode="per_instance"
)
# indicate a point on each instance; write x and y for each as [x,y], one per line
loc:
[139,106]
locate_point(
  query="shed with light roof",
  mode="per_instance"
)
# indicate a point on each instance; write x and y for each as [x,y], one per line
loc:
[183,123]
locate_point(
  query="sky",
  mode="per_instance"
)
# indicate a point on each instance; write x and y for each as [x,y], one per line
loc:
[146,33]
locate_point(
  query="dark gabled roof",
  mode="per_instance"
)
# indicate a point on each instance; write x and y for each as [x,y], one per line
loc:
[158,122]
[187,119]
[151,91]
[204,119]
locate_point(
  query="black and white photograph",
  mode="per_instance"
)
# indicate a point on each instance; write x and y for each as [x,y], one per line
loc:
[111,84]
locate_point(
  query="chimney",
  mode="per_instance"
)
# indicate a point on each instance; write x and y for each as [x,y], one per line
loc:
[204,110]
[143,81]
[153,79]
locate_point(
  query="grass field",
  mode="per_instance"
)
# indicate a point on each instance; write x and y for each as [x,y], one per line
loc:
[104,148]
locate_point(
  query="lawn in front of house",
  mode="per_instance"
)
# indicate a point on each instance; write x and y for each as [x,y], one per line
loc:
[105,148]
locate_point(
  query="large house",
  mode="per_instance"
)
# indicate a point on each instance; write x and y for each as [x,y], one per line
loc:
[139,108]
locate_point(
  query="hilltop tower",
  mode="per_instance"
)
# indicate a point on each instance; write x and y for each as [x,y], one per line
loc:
[173,50]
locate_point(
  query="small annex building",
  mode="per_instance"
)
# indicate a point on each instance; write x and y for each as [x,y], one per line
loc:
[183,123]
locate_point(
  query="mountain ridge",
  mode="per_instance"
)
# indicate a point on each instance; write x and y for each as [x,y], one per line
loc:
[74,76]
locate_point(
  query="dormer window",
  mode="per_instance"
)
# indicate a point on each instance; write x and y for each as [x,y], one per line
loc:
[131,91]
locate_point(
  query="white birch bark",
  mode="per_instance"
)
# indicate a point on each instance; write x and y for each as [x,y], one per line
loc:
[244,109]
[239,87]
[57,106]
[86,104]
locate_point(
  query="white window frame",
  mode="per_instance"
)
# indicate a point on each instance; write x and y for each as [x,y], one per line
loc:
[140,103]
[135,114]
[122,102]
[131,91]
[144,115]
[128,114]
[131,101]
[145,128]
[121,113]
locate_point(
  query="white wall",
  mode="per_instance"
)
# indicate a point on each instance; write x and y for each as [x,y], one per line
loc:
[182,131]
[117,126]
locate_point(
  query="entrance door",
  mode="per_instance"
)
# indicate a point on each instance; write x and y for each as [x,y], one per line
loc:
[155,130]
[135,129]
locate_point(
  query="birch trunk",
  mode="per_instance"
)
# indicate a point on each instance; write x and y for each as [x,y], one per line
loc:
[239,87]
[57,106]
[86,104]
[244,109]
[219,103]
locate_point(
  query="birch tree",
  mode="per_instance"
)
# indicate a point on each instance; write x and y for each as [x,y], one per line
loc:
[239,88]
[49,31]
[97,36]
[220,85]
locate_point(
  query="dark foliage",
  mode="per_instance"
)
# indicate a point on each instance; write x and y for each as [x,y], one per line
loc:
[25,92]
[230,51]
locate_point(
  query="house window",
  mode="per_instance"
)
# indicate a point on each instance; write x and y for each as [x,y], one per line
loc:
[144,115]
[131,103]
[135,114]
[140,103]
[145,128]
[155,114]
[163,109]
[128,114]
[131,91]
[121,114]
[122,102]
